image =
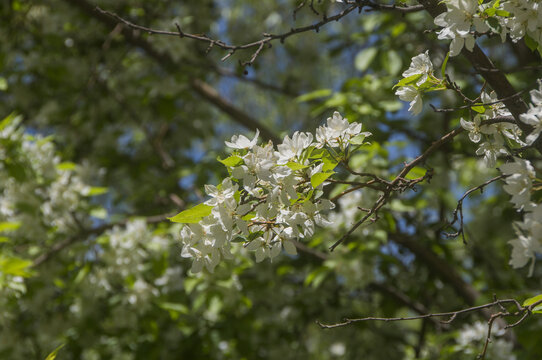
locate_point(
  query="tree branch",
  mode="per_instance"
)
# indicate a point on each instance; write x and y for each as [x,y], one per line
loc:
[167,62]
[458,212]
[232,48]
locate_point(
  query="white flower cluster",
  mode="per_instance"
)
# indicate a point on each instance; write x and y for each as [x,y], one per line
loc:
[494,135]
[35,188]
[471,336]
[417,79]
[273,196]
[124,262]
[520,174]
[40,198]
[533,116]
[464,18]
[519,184]
[529,239]
[525,19]
[457,22]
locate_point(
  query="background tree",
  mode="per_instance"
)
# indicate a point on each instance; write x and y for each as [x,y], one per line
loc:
[118,128]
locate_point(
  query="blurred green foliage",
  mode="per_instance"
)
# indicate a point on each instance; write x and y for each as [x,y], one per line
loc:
[100,271]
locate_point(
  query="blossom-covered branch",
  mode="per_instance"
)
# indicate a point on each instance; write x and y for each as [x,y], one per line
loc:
[273,196]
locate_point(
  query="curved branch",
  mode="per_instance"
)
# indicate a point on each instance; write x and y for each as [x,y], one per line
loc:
[400,183]
[167,62]
[232,48]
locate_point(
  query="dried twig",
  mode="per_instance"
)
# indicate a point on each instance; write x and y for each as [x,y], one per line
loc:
[458,212]
[232,48]
[523,312]
[471,103]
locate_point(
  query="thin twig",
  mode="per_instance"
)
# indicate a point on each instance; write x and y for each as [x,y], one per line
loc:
[232,48]
[519,93]
[400,183]
[458,212]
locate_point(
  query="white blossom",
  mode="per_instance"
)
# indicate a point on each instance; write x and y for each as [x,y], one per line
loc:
[338,131]
[222,194]
[242,142]
[491,151]
[533,116]
[519,181]
[470,337]
[457,21]
[291,149]
[420,64]
[529,239]
[410,93]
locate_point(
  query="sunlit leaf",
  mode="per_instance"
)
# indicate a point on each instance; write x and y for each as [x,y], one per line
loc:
[314,95]
[231,161]
[365,57]
[538,308]
[9,226]
[193,215]
[15,266]
[52,356]
[319,178]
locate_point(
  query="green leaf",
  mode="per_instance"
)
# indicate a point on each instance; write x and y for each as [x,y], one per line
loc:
[96,190]
[408,80]
[416,172]
[314,95]
[319,178]
[306,196]
[249,216]
[296,166]
[538,308]
[15,266]
[316,153]
[66,166]
[444,63]
[193,215]
[52,356]
[329,163]
[393,62]
[178,308]
[398,29]
[365,57]
[530,42]
[478,108]
[357,140]
[502,13]
[490,11]
[82,274]
[231,161]
[239,239]
[7,120]
[98,213]
[3,84]
[316,277]
[9,226]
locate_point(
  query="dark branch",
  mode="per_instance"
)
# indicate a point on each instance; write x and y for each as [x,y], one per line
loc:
[167,62]
[458,212]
